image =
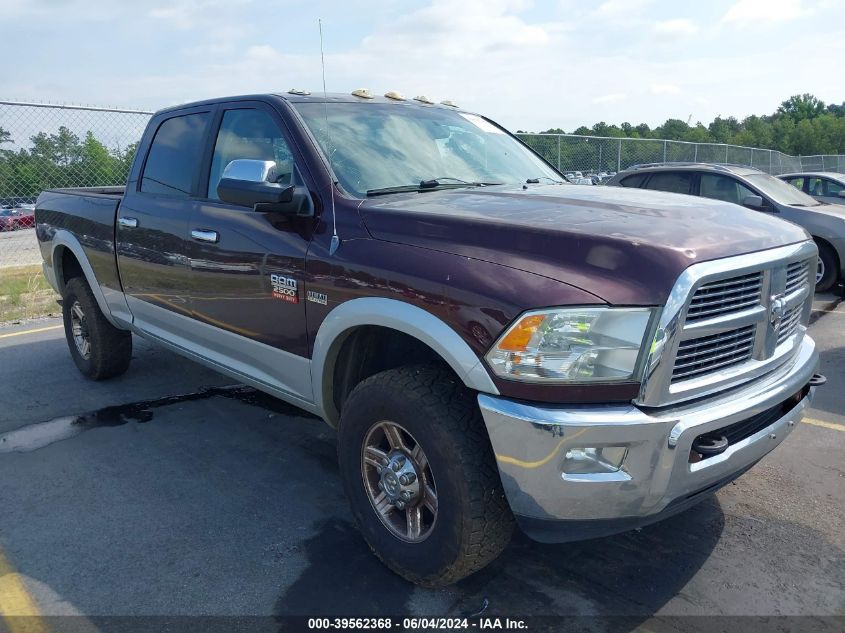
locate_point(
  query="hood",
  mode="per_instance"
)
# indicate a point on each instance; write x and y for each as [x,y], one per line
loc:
[825,208]
[626,246]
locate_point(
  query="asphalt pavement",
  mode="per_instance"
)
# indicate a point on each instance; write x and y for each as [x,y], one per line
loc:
[171,491]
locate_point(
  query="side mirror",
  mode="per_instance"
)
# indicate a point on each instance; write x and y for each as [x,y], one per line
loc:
[842,193]
[753,202]
[252,183]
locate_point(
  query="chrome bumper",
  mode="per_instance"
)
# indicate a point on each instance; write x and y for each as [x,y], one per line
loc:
[530,442]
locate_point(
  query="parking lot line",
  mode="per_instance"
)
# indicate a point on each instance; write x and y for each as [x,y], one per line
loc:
[19,611]
[827,425]
[33,331]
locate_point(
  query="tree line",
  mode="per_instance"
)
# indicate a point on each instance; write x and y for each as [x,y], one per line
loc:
[62,159]
[802,125]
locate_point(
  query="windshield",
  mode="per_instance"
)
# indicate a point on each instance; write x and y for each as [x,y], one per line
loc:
[377,146]
[781,192]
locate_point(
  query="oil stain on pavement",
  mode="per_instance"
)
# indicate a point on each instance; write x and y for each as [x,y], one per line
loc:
[34,436]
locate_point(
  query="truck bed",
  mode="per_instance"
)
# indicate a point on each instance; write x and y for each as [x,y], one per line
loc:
[84,216]
[100,192]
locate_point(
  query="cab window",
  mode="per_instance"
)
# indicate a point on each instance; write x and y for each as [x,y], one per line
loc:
[249,134]
[175,155]
[723,188]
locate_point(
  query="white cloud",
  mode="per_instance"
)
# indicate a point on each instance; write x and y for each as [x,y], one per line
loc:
[751,12]
[612,9]
[674,29]
[479,27]
[191,14]
[664,89]
[615,97]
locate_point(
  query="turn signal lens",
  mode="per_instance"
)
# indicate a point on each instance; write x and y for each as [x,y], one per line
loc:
[518,337]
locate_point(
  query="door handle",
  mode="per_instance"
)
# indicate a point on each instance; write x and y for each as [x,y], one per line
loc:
[128,223]
[204,235]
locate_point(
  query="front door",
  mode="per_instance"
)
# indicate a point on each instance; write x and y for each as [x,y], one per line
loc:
[247,267]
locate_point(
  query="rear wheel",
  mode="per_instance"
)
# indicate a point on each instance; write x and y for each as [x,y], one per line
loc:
[420,475]
[827,273]
[99,349]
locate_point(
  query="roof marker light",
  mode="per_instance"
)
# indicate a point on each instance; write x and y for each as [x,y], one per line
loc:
[423,99]
[299,91]
[449,103]
[363,93]
[394,95]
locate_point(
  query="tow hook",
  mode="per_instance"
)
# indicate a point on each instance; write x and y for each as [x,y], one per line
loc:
[706,446]
[817,380]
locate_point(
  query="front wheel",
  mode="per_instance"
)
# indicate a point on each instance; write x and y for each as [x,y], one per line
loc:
[419,472]
[827,272]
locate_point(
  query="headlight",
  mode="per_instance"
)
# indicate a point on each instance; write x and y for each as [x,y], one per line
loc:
[572,345]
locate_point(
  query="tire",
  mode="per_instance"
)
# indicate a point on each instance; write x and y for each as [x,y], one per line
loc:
[108,350]
[440,417]
[828,266]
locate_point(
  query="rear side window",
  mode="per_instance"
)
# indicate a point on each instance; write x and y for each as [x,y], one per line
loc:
[798,183]
[633,181]
[672,181]
[175,155]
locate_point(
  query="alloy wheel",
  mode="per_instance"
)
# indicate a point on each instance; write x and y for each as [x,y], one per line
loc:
[79,329]
[399,482]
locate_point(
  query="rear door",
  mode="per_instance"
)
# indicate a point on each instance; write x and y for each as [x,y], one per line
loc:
[247,267]
[152,222]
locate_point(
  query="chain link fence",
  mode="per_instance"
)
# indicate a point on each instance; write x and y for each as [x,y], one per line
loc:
[596,154]
[44,146]
[49,145]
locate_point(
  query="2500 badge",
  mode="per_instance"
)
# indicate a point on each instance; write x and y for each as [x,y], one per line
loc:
[284,288]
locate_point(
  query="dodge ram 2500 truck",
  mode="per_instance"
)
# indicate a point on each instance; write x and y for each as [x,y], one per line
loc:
[492,345]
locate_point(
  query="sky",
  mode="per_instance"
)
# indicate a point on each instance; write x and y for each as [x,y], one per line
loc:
[530,65]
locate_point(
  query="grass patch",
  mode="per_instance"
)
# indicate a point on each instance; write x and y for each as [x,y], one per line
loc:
[24,293]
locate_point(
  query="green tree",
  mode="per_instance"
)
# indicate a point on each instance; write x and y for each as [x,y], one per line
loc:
[801,107]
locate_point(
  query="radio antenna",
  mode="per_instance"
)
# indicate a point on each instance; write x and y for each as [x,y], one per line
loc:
[335,239]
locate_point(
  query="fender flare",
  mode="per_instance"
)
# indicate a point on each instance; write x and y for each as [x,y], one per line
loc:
[397,315]
[67,240]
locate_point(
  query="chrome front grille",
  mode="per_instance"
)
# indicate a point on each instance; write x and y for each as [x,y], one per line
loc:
[702,355]
[797,275]
[728,321]
[789,324]
[725,297]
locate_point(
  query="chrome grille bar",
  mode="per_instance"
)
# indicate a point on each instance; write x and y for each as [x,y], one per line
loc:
[725,297]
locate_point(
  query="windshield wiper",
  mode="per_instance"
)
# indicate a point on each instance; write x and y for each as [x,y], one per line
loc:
[428,185]
[536,181]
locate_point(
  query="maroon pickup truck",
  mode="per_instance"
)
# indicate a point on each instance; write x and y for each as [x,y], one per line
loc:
[494,346]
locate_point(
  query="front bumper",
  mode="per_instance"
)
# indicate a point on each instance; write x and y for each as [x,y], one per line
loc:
[656,478]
